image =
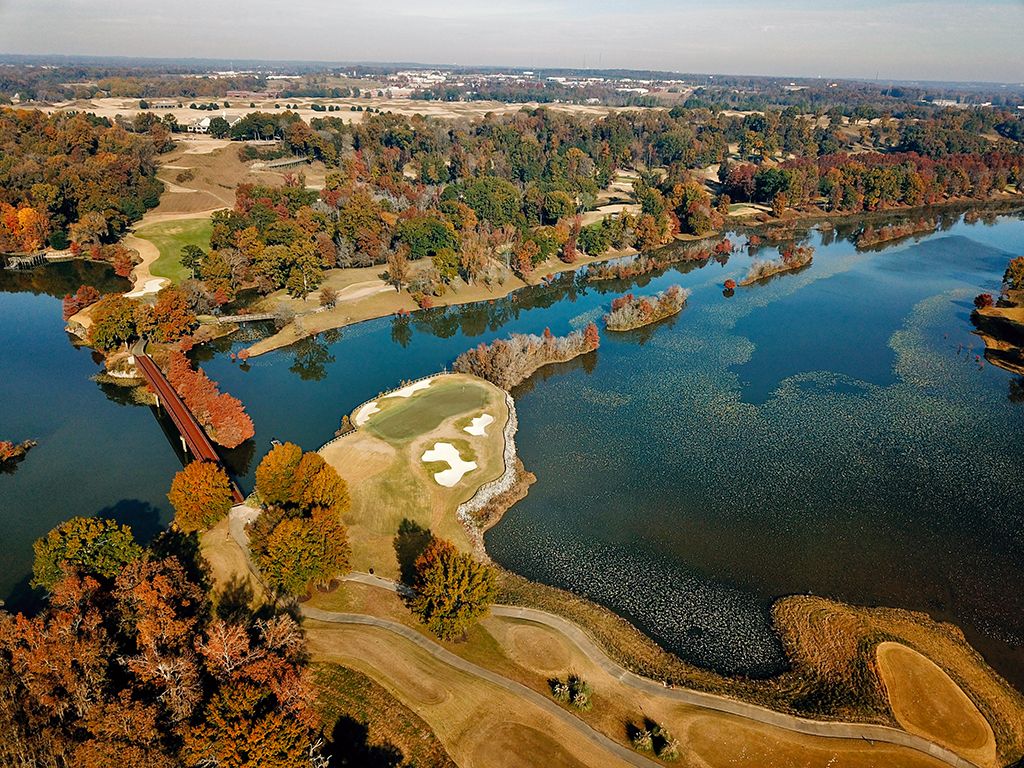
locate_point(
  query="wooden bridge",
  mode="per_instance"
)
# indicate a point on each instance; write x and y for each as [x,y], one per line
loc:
[193,438]
[253,318]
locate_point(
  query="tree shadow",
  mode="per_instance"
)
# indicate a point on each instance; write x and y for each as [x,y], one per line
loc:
[235,602]
[410,542]
[184,547]
[349,747]
[141,516]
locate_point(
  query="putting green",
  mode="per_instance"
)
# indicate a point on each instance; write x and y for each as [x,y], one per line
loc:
[401,419]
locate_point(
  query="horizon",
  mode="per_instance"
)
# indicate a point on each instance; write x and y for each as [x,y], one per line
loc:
[870,41]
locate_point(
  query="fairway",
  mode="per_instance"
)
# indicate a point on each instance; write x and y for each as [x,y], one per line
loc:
[170,237]
[401,419]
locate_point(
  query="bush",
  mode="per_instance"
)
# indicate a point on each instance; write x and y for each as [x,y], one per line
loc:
[983,300]
[575,691]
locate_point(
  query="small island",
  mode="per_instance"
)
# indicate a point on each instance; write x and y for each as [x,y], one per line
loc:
[508,362]
[791,259]
[629,312]
[12,453]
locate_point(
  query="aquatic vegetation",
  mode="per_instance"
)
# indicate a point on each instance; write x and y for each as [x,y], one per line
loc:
[871,236]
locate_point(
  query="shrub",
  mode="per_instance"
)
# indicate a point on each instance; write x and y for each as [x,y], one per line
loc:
[983,300]
[575,691]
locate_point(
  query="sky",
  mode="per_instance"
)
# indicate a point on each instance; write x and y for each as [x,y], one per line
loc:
[890,39]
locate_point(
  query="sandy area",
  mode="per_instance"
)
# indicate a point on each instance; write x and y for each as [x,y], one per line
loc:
[448,453]
[926,701]
[479,425]
[143,281]
[411,390]
[365,412]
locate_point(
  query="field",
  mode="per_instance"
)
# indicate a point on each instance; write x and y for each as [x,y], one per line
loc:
[170,237]
[390,483]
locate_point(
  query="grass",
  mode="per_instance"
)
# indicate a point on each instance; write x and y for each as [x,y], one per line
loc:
[463,709]
[170,237]
[376,726]
[401,419]
[388,480]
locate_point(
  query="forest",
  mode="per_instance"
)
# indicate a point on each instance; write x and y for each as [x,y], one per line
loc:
[73,177]
[478,200]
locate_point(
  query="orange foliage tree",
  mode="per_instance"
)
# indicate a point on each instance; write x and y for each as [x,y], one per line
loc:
[201,496]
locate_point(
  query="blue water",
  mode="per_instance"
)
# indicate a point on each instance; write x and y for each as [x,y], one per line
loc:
[828,431]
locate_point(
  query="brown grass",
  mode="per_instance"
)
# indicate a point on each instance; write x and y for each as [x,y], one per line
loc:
[532,653]
[390,725]
[833,676]
[927,702]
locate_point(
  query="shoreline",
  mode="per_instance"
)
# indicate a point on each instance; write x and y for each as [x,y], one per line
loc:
[336,319]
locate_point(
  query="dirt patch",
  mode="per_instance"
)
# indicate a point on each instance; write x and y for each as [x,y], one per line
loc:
[927,702]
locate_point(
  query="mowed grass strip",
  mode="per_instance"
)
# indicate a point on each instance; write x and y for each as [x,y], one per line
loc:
[402,419]
[170,237]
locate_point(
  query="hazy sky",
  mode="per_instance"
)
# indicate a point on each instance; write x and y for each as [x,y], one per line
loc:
[895,39]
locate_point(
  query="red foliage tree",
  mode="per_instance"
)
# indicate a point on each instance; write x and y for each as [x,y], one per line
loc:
[222,415]
[82,298]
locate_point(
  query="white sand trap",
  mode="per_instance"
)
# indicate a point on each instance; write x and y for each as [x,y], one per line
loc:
[411,389]
[446,452]
[150,286]
[364,413]
[479,425]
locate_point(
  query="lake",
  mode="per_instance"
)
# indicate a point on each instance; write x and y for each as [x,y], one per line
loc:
[829,431]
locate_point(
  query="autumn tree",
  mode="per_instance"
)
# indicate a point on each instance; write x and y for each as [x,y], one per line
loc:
[168,319]
[87,545]
[1014,275]
[113,321]
[451,590]
[85,296]
[275,474]
[201,496]
[398,266]
[299,541]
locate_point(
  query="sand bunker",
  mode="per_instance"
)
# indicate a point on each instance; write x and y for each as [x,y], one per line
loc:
[447,453]
[479,425]
[410,390]
[151,286]
[365,412]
